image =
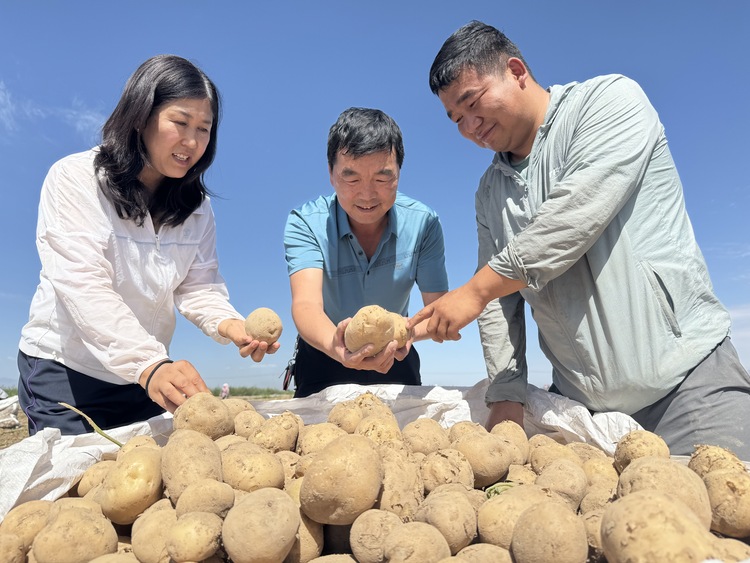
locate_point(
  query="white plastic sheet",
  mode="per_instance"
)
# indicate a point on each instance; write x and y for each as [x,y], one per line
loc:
[46,465]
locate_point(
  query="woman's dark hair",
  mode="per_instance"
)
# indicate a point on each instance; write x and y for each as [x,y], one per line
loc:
[361,131]
[476,45]
[122,154]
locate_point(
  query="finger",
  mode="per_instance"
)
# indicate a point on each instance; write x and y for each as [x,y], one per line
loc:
[425,313]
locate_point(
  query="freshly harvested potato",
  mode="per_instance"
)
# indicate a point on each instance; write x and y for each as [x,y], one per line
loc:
[729,494]
[124,557]
[592,522]
[247,422]
[400,332]
[446,466]
[75,535]
[601,472]
[205,413]
[368,533]
[653,526]
[12,549]
[452,514]
[596,498]
[346,415]
[314,437]
[475,497]
[484,552]
[372,405]
[309,542]
[278,432]
[668,477]
[140,441]
[425,435]
[521,474]
[188,456]
[379,429]
[248,469]
[711,458]
[194,537]
[264,325]
[26,520]
[549,531]
[488,454]
[587,451]
[205,495]
[370,325]
[567,479]
[261,527]
[225,441]
[403,488]
[93,476]
[131,485]
[541,455]
[515,433]
[150,532]
[498,516]
[237,405]
[464,427]
[343,480]
[638,443]
[415,542]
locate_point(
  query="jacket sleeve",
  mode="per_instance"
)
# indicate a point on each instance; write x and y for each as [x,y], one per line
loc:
[502,330]
[606,153]
[202,297]
[73,232]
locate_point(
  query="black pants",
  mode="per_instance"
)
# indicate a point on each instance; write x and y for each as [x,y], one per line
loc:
[314,371]
[43,384]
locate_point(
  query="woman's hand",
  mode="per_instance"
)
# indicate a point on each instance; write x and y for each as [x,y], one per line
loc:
[172,383]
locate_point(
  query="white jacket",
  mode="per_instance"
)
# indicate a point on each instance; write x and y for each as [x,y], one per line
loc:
[105,304]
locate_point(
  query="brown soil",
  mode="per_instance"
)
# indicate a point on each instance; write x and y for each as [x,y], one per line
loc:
[9,436]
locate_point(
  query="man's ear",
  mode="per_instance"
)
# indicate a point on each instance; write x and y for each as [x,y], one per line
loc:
[518,70]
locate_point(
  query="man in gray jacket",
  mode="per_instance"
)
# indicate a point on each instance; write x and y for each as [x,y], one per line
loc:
[581,215]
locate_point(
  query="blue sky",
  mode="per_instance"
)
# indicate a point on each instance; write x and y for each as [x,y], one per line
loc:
[287,69]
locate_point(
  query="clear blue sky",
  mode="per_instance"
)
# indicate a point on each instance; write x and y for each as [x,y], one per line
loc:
[287,69]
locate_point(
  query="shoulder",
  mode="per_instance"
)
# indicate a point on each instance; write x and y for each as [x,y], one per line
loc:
[408,206]
[322,205]
[80,163]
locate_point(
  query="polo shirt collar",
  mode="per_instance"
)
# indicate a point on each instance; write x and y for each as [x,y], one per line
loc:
[344,229]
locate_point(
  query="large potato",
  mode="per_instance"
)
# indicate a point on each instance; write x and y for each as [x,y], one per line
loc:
[206,414]
[131,485]
[248,469]
[343,480]
[370,325]
[669,477]
[75,535]
[729,494]
[653,527]
[549,531]
[446,466]
[403,488]
[194,537]
[205,495]
[26,520]
[368,533]
[150,533]
[415,542]
[264,324]
[452,514]
[262,527]
[425,435]
[188,456]
[638,443]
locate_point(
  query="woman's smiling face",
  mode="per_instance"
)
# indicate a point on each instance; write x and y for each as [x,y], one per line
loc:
[176,136]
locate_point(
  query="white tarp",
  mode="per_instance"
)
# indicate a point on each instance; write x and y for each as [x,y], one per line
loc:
[9,411]
[47,465]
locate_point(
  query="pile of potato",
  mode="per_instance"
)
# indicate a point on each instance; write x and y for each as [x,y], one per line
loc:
[232,485]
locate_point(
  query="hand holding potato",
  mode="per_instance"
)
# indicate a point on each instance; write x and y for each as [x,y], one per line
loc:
[235,330]
[363,358]
[172,383]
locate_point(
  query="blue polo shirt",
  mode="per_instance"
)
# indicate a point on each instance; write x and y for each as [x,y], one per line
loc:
[412,250]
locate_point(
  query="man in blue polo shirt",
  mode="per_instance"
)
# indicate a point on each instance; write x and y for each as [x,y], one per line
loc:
[366,244]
